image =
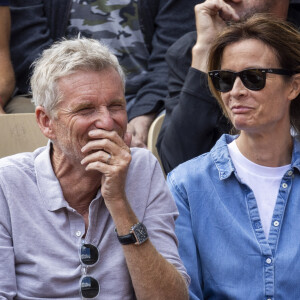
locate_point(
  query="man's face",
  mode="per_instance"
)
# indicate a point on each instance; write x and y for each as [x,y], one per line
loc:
[90,100]
[247,8]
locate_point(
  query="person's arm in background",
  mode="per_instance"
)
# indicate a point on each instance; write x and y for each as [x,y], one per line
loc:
[172,20]
[7,77]
[193,120]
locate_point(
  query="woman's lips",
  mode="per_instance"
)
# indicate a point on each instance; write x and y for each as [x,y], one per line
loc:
[240,109]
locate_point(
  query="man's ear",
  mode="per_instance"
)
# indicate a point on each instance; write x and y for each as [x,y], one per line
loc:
[45,122]
[295,87]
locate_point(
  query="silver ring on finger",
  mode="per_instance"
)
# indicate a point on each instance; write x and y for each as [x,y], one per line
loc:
[108,159]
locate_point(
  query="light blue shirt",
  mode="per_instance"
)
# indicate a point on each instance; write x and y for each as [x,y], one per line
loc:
[221,239]
[40,234]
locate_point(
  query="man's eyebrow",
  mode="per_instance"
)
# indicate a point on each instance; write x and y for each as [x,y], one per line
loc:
[118,101]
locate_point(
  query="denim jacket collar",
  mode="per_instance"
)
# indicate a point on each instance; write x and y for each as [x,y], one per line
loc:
[223,162]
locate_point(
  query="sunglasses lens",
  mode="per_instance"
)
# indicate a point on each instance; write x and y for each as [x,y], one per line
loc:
[89,254]
[222,80]
[253,79]
[89,287]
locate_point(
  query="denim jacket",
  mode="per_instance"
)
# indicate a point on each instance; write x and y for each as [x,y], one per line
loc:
[221,239]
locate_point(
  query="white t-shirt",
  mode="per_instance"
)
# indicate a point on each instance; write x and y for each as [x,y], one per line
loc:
[264,182]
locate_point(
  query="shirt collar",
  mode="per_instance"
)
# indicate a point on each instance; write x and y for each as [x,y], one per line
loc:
[221,157]
[47,182]
[296,154]
[223,162]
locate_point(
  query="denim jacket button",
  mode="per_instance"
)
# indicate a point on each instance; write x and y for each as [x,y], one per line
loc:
[268,260]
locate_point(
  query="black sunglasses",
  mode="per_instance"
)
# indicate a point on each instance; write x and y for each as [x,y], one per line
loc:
[89,286]
[253,79]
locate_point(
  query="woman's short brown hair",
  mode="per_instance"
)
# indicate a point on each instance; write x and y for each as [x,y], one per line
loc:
[282,37]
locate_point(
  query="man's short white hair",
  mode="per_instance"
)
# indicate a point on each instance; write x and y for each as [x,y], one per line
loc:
[64,58]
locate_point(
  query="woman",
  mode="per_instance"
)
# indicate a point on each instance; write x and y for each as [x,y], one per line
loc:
[239,204]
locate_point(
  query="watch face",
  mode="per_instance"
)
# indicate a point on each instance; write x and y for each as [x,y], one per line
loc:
[140,232]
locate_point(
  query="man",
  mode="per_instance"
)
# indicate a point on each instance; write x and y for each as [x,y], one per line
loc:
[74,215]
[7,79]
[138,32]
[194,121]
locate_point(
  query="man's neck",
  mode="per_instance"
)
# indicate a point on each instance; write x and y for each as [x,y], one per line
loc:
[79,186]
[281,9]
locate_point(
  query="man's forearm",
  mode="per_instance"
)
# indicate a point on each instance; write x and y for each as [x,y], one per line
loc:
[153,277]
[7,83]
[7,77]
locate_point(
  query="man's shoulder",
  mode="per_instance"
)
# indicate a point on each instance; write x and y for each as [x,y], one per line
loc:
[179,54]
[18,164]
[15,166]
[141,156]
[183,44]
[143,167]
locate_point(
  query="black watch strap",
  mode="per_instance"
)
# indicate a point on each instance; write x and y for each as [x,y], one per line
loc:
[127,239]
[138,234]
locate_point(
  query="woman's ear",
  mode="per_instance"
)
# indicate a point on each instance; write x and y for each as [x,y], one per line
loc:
[45,122]
[295,87]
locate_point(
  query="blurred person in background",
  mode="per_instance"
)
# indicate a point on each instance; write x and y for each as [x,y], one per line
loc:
[138,32]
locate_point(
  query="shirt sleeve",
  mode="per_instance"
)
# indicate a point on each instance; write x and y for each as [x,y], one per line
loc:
[187,247]
[8,286]
[159,219]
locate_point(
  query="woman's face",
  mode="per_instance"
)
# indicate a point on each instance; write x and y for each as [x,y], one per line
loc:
[256,111]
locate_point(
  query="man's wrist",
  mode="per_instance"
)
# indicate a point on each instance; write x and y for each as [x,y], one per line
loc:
[137,235]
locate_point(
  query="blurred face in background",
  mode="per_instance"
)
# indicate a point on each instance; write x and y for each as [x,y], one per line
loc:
[247,8]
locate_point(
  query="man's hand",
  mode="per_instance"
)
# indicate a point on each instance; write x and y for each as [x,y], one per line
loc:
[210,21]
[139,128]
[110,155]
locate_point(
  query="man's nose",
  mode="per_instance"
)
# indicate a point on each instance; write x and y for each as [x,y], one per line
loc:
[104,119]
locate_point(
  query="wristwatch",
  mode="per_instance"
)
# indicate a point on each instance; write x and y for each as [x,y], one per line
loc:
[137,235]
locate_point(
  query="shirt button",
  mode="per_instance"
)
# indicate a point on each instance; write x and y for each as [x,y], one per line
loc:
[268,260]
[284,185]
[276,223]
[290,173]
[78,233]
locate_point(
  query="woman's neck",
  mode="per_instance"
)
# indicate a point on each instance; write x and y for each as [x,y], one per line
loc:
[270,150]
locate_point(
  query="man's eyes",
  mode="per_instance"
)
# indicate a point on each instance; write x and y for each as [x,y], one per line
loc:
[116,106]
[84,110]
[89,109]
